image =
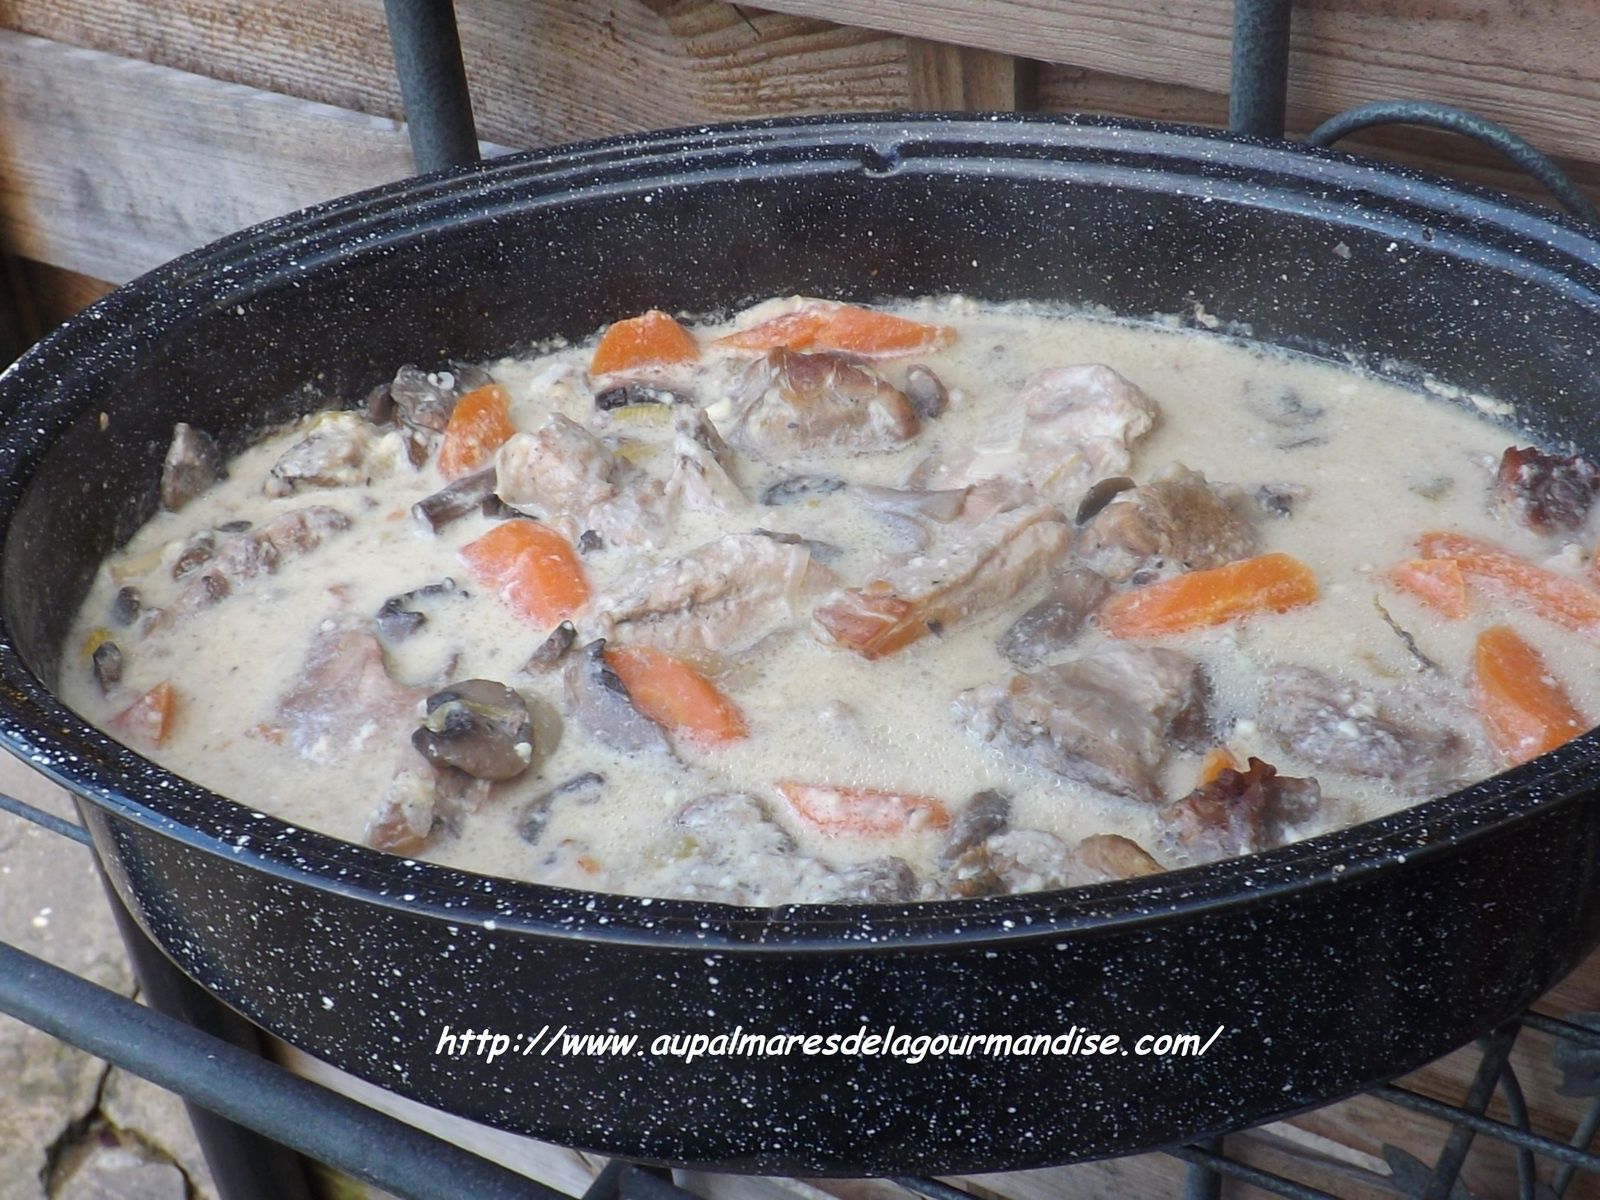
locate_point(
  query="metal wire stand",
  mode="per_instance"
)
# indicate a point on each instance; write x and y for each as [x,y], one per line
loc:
[255,1119]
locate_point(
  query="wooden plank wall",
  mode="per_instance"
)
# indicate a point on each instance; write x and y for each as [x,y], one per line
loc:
[196,116]
[132,130]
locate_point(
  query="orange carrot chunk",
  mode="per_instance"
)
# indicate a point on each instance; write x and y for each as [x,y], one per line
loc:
[1217,760]
[792,331]
[480,425]
[148,720]
[862,811]
[865,331]
[1523,706]
[1496,570]
[653,339]
[846,327]
[533,569]
[676,696]
[1437,582]
[1270,583]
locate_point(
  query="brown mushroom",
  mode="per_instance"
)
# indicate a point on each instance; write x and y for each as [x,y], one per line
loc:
[479,727]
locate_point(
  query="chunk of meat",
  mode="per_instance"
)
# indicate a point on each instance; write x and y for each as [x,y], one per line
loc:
[1177,522]
[333,453]
[1271,583]
[343,696]
[1105,719]
[720,599]
[600,701]
[971,572]
[1108,856]
[727,848]
[1239,812]
[702,466]
[1073,427]
[824,325]
[193,463]
[1054,623]
[1333,723]
[420,803]
[862,812]
[1547,493]
[532,568]
[1522,702]
[652,339]
[790,405]
[563,470]
[246,556]
[1030,860]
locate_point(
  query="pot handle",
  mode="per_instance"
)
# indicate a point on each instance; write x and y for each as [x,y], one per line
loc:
[1468,124]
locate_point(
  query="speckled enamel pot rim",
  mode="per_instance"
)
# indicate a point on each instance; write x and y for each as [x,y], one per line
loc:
[72,372]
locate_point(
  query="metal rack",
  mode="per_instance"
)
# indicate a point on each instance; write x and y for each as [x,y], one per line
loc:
[254,1120]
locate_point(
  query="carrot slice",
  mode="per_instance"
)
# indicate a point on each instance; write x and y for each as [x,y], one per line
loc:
[862,811]
[1270,583]
[1496,570]
[845,327]
[1437,582]
[652,339]
[1524,708]
[1217,760]
[480,425]
[532,567]
[792,331]
[149,718]
[676,696]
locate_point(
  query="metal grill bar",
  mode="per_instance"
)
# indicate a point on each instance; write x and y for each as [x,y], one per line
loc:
[1255,1176]
[433,82]
[250,1090]
[1549,1147]
[44,820]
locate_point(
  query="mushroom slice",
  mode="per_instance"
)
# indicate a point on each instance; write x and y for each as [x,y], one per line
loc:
[1054,623]
[192,465]
[800,489]
[552,650]
[397,621]
[986,814]
[107,664]
[455,501]
[926,391]
[535,814]
[478,726]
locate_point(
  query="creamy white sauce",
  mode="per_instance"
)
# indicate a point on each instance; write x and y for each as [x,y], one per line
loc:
[817,712]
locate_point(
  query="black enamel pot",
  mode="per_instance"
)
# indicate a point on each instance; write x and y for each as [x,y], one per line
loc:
[1328,965]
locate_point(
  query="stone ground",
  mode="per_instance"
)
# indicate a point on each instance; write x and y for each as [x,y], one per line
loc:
[72,1128]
